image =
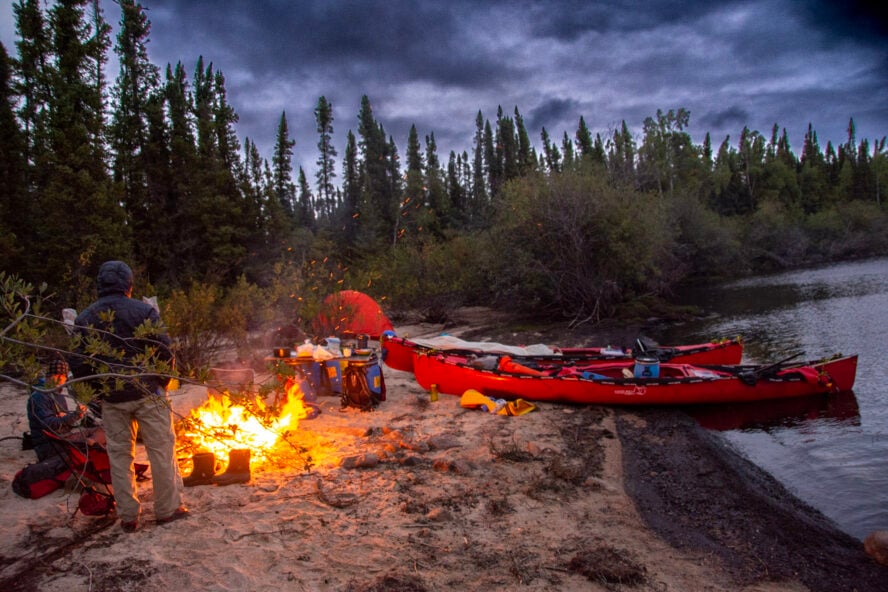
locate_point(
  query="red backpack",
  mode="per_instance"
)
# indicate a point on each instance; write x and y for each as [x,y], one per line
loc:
[41,478]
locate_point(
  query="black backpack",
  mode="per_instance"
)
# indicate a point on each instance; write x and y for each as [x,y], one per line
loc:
[41,478]
[356,390]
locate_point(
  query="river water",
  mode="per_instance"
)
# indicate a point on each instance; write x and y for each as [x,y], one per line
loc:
[832,452]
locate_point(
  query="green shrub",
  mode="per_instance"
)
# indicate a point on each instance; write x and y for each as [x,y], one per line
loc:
[575,246]
[431,276]
[850,229]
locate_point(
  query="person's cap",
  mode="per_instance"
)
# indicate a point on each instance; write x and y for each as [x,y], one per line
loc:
[57,367]
[114,277]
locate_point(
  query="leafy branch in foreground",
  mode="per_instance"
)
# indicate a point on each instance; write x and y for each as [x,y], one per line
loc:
[29,339]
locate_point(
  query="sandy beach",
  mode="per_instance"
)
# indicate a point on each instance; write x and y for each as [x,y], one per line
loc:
[421,496]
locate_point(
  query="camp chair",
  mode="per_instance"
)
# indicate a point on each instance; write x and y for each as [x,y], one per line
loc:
[91,466]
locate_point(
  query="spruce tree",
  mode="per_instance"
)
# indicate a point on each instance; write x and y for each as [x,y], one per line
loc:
[346,215]
[34,77]
[179,128]
[552,156]
[282,167]
[305,208]
[438,198]
[81,220]
[12,173]
[478,187]
[507,147]
[524,151]
[492,161]
[569,156]
[392,203]
[224,120]
[378,206]
[415,203]
[220,204]
[584,139]
[456,190]
[326,162]
[134,160]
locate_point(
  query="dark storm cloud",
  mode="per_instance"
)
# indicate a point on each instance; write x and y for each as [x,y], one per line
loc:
[733,117]
[851,19]
[436,64]
[572,19]
[553,110]
[281,56]
[393,40]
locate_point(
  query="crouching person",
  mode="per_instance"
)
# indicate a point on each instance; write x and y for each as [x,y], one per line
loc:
[131,328]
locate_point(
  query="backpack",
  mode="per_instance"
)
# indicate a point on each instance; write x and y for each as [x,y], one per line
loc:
[42,478]
[357,389]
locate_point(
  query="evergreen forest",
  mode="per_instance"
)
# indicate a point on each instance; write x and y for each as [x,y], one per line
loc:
[144,165]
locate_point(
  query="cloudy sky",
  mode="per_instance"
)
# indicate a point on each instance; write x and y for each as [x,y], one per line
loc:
[435,64]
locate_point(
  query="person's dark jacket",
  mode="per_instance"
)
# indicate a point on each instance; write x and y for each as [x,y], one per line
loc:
[115,284]
[45,412]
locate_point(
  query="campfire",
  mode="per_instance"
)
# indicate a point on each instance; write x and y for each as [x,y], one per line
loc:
[227,421]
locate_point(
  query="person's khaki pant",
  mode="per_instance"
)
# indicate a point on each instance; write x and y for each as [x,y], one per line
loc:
[153,416]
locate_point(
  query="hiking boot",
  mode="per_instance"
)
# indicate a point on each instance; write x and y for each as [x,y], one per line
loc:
[238,470]
[204,469]
[178,514]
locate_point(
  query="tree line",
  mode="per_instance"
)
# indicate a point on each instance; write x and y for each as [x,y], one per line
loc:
[148,168]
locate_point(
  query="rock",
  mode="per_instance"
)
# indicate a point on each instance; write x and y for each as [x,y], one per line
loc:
[443,442]
[439,515]
[876,546]
[457,467]
[363,461]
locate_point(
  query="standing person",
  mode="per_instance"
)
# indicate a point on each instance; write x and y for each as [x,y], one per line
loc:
[140,403]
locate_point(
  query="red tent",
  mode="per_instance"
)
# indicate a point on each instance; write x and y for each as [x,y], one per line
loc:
[350,311]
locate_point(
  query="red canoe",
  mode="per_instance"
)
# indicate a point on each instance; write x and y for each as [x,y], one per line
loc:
[606,383]
[398,353]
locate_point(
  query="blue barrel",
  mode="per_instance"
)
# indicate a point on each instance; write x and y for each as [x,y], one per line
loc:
[333,370]
[310,371]
[301,377]
[647,367]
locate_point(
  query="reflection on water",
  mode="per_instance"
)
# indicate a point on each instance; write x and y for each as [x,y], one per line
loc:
[783,413]
[830,451]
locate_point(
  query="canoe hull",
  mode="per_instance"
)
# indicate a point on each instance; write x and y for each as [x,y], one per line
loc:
[398,353]
[713,384]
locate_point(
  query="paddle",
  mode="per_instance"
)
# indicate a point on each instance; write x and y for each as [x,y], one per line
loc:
[750,377]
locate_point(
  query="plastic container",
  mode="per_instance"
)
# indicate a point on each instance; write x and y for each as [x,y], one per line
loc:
[433,393]
[333,346]
[306,350]
[647,367]
[335,370]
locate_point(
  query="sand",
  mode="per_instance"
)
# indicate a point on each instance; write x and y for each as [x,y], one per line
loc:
[414,496]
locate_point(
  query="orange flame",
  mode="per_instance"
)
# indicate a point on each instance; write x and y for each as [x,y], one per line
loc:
[221,424]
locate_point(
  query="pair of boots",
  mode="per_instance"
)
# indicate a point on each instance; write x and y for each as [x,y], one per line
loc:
[204,472]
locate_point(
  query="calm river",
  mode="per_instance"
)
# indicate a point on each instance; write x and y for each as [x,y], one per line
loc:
[831,452]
